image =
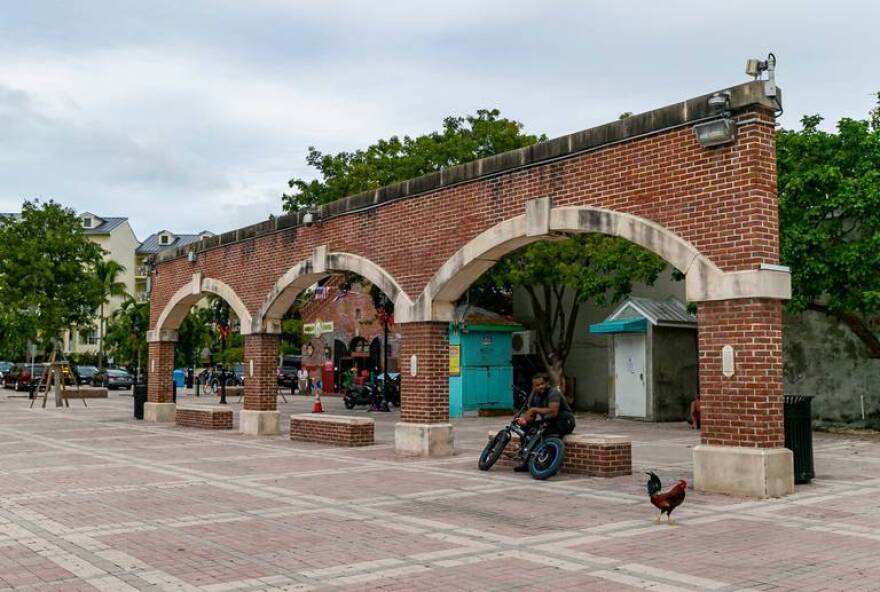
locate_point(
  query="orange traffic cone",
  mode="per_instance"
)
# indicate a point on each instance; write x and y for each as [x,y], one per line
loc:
[318,406]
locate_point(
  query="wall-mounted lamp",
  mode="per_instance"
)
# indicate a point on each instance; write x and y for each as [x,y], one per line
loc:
[715,133]
[192,256]
[720,131]
[312,217]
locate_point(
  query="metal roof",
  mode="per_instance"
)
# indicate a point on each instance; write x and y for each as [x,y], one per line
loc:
[669,312]
[151,243]
[107,226]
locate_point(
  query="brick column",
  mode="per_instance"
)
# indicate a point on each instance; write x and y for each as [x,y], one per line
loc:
[259,415]
[260,367]
[424,427]
[159,369]
[159,406]
[742,429]
[744,409]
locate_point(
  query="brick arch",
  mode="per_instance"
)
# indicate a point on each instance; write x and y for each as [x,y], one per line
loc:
[321,265]
[482,252]
[186,297]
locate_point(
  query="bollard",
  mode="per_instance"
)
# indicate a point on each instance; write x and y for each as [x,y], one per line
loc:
[223,388]
[198,383]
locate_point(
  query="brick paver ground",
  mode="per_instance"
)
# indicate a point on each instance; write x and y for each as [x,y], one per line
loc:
[93,500]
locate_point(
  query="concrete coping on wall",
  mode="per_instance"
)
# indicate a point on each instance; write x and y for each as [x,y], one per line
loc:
[590,439]
[743,97]
[334,419]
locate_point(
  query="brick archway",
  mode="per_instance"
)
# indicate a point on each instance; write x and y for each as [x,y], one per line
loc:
[711,211]
[321,265]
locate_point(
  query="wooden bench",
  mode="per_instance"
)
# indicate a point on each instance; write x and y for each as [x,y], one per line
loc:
[339,430]
[203,416]
[86,392]
[594,455]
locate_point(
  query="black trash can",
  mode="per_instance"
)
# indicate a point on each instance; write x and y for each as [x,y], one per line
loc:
[140,397]
[798,418]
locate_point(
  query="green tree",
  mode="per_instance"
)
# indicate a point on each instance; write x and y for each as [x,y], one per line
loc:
[47,279]
[462,139]
[829,218]
[126,335]
[194,334]
[107,272]
[561,276]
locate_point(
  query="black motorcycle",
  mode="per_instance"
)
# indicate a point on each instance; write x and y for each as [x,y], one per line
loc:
[542,452]
[393,396]
[365,394]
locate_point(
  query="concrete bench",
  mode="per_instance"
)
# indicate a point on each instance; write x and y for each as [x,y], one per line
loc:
[340,430]
[203,416]
[594,455]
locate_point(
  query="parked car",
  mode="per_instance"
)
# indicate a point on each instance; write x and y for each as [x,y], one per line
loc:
[210,377]
[4,368]
[286,375]
[20,376]
[113,378]
[85,374]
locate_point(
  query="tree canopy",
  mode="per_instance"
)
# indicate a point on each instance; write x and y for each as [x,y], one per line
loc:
[47,279]
[829,218]
[462,139]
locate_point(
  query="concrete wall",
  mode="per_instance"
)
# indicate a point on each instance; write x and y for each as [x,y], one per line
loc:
[588,361]
[823,358]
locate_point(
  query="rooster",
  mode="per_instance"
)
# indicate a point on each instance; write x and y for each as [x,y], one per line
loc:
[665,502]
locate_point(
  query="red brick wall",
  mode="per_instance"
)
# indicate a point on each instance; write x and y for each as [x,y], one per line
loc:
[261,389]
[207,418]
[722,200]
[424,398]
[328,432]
[160,367]
[745,409]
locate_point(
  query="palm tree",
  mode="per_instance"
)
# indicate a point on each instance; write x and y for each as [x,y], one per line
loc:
[107,272]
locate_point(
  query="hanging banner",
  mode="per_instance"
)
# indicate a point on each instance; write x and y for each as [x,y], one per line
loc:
[454,360]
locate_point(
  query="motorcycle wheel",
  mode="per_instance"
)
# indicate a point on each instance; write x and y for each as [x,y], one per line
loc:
[546,459]
[492,452]
[348,402]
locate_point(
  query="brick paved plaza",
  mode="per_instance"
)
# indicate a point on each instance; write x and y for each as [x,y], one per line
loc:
[93,500]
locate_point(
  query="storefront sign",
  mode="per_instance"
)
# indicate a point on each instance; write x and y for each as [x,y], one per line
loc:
[318,328]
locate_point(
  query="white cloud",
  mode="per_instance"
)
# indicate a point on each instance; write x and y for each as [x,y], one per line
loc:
[194,115]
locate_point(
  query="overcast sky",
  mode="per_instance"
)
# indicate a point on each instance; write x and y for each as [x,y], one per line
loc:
[191,115]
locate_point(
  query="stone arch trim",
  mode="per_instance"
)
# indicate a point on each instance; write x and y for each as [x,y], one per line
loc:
[704,280]
[186,297]
[307,272]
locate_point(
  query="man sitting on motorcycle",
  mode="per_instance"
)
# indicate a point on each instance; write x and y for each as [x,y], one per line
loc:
[546,403]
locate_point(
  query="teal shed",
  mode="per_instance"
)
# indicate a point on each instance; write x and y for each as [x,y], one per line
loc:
[480,365]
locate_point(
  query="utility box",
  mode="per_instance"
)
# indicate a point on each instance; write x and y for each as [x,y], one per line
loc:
[480,366]
[653,359]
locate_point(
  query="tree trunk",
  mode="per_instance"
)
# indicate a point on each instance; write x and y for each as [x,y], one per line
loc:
[856,324]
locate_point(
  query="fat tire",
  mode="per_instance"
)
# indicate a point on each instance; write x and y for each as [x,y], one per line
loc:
[348,402]
[493,450]
[544,470]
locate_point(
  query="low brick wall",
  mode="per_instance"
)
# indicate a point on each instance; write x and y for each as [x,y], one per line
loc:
[86,392]
[205,417]
[585,454]
[339,430]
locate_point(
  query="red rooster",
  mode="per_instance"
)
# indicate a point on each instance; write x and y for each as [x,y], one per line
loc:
[665,502]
